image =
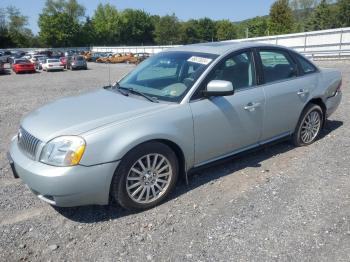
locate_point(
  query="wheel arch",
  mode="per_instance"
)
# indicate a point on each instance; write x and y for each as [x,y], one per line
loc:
[318,101]
[173,146]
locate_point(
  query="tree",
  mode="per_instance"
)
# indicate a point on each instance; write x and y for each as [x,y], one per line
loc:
[281,19]
[107,24]
[13,30]
[225,30]
[189,32]
[206,30]
[168,30]
[59,23]
[58,30]
[137,27]
[257,26]
[87,33]
[321,18]
[343,13]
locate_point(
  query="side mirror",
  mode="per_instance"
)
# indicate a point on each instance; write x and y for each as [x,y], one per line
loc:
[218,88]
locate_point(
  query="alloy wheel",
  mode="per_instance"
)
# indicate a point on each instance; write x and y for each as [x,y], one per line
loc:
[310,127]
[148,178]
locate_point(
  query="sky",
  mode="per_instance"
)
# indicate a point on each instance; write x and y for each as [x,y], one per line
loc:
[234,10]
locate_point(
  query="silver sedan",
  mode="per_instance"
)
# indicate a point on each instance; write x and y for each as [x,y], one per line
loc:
[178,110]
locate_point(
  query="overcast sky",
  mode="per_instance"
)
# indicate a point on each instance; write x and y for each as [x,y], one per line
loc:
[234,10]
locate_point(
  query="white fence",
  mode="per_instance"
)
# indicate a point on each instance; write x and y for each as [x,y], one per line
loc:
[333,43]
[317,44]
[131,49]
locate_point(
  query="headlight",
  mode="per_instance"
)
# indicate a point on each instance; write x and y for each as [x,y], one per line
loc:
[63,151]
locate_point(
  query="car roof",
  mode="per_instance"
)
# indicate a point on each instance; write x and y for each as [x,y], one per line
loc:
[221,48]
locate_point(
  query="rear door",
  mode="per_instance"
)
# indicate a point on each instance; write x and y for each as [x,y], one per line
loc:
[286,92]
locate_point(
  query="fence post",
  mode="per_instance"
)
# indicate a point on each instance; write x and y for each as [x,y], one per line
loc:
[341,42]
[305,42]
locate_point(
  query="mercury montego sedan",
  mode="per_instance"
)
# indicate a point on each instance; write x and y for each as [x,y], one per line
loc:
[178,110]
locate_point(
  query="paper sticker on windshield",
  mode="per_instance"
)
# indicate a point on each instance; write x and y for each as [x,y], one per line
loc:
[200,60]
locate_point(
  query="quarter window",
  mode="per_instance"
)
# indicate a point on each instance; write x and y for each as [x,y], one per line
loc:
[277,65]
[306,66]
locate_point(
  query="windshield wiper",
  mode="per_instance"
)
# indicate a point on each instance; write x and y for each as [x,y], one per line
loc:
[116,86]
[135,92]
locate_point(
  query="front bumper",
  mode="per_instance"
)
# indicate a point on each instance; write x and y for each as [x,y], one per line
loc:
[64,186]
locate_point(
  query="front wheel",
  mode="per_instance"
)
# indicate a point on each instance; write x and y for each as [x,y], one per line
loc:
[309,126]
[145,176]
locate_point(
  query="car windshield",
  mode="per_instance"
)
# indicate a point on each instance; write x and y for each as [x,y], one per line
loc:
[80,58]
[53,60]
[168,76]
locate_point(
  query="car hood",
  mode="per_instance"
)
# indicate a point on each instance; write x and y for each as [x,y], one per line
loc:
[79,114]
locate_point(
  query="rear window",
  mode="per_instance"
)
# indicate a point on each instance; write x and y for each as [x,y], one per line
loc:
[80,58]
[53,61]
[21,61]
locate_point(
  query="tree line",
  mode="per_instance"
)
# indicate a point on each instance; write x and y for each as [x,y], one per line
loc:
[63,23]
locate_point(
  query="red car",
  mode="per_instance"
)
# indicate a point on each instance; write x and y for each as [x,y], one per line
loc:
[63,61]
[23,65]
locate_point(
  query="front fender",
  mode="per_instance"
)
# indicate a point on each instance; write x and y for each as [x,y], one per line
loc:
[112,142]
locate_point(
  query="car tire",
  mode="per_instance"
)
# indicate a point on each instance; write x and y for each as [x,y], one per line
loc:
[152,182]
[309,125]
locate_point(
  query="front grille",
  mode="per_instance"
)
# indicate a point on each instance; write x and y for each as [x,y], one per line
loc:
[27,143]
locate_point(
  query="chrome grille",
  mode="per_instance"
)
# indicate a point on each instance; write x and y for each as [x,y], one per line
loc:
[27,143]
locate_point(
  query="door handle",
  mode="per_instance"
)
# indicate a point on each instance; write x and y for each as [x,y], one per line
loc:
[302,92]
[251,106]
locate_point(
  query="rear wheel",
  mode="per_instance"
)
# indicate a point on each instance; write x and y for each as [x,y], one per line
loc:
[309,126]
[145,176]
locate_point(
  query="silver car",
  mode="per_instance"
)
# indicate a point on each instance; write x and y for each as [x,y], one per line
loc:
[178,110]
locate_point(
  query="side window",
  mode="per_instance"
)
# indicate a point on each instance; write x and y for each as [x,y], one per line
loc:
[238,69]
[277,65]
[306,66]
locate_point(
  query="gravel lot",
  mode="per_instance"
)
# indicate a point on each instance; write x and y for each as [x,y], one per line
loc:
[280,203]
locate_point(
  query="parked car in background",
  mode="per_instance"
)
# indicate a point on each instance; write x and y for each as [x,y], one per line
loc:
[47,53]
[76,62]
[179,110]
[41,61]
[4,57]
[52,65]
[141,57]
[2,67]
[15,55]
[22,66]
[63,61]
[35,59]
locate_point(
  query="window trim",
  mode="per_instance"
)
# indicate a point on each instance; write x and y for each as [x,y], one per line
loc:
[218,63]
[260,70]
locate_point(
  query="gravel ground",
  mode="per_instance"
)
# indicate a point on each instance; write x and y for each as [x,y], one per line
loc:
[280,203]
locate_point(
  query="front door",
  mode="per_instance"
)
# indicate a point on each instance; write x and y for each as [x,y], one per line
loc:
[225,125]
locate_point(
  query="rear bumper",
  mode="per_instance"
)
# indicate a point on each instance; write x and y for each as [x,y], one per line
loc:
[333,103]
[64,186]
[79,66]
[55,68]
